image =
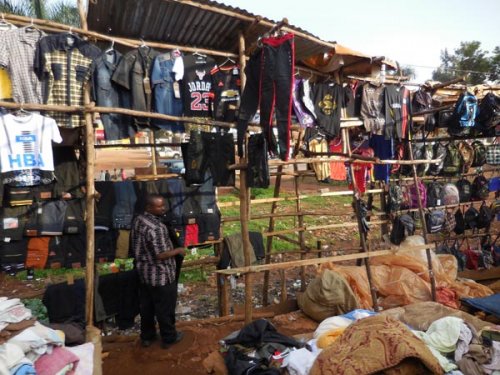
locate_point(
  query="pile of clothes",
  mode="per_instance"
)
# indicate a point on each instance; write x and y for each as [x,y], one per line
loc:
[28,347]
[421,338]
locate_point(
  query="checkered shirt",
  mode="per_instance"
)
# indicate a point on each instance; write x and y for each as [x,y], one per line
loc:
[68,72]
[17,53]
[150,238]
[493,154]
[65,62]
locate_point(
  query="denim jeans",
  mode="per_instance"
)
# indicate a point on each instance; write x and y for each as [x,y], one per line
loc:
[109,94]
[162,78]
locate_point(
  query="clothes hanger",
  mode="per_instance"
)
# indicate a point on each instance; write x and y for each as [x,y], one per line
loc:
[111,47]
[196,53]
[4,25]
[21,112]
[227,60]
[31,26]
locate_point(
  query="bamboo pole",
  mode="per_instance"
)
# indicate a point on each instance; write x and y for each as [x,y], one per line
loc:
[52,26]
[247,18]
[298,208]
[245,204]
[362,234]
[271,200]
[269,241]
[124,111]
[352,159]
[424,226]
[153,153]
[317,261]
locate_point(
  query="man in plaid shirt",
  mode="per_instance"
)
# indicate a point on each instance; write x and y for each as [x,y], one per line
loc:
[155,263]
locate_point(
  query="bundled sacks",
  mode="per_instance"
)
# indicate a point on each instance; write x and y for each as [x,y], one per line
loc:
[327,295]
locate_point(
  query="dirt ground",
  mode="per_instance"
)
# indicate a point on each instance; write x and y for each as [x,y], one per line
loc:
[126,356]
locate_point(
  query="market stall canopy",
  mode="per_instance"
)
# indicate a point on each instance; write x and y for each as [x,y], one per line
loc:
[351,61]
[201,24]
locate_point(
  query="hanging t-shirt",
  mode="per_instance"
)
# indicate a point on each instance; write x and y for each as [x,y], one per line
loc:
[26,149]
[226,88]
[196,85]
[372,108]
[337,168]
[328,103]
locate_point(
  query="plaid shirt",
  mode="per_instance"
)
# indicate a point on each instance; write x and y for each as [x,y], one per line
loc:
[150,238]
[65,62]
[17,52]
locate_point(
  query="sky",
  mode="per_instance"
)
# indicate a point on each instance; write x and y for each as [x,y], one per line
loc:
[411,32]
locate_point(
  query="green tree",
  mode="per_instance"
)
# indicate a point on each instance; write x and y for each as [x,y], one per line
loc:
[62,11]
[468,60]
[495,65]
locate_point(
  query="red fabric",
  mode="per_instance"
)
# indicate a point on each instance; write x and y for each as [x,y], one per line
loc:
[38,252]
[337,168]
[447,297]
[191,236]
[50,364]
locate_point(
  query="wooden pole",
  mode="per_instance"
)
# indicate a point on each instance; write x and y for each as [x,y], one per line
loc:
[269,241]
[362,235]
[317,261]
[83,16]
[422,220]
[52,26]
[245,202]
[153,153]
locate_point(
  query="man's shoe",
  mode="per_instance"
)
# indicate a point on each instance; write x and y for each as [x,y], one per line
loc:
[148,343]
[178,337]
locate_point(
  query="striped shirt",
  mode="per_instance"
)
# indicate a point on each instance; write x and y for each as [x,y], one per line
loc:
[150,238]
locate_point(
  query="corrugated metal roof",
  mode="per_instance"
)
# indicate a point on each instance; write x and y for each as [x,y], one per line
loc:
[190,23]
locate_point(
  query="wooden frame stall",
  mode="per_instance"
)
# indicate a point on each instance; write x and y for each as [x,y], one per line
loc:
[245,200]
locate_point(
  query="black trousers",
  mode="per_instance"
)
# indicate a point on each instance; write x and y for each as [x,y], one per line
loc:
[214,151]
[158,302]
[270,74]
[258,168]
[276,91]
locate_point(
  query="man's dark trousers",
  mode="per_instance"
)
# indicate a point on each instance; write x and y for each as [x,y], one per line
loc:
[159,302]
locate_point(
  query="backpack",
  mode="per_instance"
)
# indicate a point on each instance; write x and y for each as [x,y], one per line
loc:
[480,190]
[471,217]
[422,100]
[435,221]
[450,195]
[485,216]
[479,154]
[395,197]
[489,111]
[466,110]
[453,160]
[464,190]
[438,152]
[460,222]
[403,225]
[467,154]
[414,195]
[434,190]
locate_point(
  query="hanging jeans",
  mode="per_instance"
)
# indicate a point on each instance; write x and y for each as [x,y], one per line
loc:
[270,85]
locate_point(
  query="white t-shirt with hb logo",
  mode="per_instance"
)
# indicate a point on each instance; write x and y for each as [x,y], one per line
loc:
[26,148]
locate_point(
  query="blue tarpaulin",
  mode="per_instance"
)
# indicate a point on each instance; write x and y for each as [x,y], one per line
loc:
[490,304]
